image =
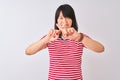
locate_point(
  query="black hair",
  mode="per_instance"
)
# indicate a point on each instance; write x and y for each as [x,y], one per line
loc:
[67,11]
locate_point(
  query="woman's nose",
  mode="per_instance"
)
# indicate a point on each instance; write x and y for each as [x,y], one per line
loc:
[64,20]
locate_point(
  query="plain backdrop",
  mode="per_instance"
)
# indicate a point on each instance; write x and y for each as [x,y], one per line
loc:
[23,22]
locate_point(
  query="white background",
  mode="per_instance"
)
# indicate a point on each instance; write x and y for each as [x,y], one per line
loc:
[23,22]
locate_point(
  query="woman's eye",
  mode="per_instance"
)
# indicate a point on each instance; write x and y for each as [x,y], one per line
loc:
[67,18]
[61,18]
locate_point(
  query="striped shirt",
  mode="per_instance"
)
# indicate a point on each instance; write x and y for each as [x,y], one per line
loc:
[65,60]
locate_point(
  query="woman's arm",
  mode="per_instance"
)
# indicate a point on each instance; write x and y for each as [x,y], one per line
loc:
[36,46]
[88,42]
[42,43]
[92,44]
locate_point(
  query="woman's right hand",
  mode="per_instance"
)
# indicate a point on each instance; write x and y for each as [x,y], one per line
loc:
[53,35]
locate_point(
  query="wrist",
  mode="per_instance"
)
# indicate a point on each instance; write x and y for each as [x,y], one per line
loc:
[46,39]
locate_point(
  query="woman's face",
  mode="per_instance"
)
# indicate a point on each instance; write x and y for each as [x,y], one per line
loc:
[63,22]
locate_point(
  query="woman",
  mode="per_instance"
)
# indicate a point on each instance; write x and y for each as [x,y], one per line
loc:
[65,45]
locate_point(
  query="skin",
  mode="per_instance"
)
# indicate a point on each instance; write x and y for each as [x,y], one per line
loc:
[68,32]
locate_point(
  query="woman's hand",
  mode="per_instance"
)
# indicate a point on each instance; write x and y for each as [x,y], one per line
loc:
[53,35]
[70,33]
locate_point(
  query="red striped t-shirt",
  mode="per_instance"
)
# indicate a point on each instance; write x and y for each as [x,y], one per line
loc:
[65,60]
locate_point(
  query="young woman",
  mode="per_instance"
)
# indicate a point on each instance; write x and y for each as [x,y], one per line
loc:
[65,45]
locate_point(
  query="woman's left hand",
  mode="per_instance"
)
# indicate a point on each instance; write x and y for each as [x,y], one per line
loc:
[70,33]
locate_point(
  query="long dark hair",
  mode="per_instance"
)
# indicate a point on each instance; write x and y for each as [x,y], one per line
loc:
[67,11]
